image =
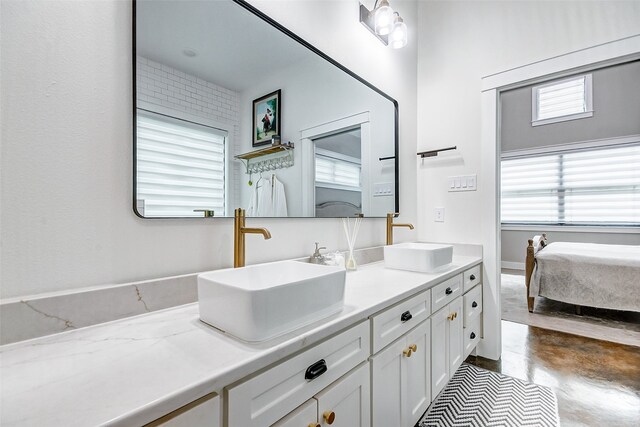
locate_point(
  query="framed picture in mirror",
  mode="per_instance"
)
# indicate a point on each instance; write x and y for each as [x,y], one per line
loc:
[266,118]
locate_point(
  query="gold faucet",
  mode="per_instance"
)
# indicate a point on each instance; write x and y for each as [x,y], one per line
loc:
[239,230]
[390,226]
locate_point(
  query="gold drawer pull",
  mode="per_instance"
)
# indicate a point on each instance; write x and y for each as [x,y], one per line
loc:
[314,425]
[451,316]
[413,347]
[407,352]
[329,416]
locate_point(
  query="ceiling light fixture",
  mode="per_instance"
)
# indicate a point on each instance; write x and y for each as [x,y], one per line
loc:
[385,24]
[398,35]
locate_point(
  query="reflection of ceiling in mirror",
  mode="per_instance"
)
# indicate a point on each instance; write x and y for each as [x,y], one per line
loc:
[347,143]
[234,48]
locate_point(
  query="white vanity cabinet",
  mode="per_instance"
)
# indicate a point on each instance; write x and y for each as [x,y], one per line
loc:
[401,377]
[345,403]
[204,412]
[401,380]
[379,373]
[271,395]
[446,344]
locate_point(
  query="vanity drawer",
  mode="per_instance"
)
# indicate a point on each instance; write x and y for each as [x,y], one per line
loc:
[472,304]
[472,335]
[269,396]
[446,292]
[399,319]
[472,277]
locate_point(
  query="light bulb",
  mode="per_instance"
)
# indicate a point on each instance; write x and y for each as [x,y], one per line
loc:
[383,18]
[398,36]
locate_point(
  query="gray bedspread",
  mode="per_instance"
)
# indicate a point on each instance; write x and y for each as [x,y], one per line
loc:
[595,275]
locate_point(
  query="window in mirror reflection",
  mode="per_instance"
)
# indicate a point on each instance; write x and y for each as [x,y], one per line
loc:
[180,167]
[338,167]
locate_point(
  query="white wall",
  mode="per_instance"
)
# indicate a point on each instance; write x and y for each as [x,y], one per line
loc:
[66,171]
[462,41]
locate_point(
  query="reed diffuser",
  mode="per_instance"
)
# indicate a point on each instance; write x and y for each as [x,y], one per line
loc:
[351,233]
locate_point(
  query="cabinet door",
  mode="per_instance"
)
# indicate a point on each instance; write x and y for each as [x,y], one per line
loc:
[387,387]
[439,351]
[346,403]
[416,375]
[306,415]
[456,339]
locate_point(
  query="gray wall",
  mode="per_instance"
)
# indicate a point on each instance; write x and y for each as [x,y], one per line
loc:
[616,106]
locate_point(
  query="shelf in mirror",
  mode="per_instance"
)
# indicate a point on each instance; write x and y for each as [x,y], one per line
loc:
[265,151]
[268,158]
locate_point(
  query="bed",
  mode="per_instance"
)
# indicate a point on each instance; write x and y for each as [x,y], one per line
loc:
[584,274]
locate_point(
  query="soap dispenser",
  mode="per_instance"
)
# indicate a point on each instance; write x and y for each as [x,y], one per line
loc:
[317,257]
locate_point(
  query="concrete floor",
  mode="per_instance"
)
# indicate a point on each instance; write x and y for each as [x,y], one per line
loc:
[597,382]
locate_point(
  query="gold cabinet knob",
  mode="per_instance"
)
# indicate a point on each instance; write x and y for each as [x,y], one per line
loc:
[329,416]
[413,347]
[451,316]
[314,425]
[407,352]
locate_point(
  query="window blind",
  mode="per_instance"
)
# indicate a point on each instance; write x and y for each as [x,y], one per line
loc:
[581,187]
[336,173]
[180,167]
[562,99]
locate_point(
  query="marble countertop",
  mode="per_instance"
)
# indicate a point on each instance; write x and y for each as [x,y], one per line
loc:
[135,370]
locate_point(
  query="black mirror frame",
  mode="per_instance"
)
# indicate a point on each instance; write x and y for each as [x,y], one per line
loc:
[281,28]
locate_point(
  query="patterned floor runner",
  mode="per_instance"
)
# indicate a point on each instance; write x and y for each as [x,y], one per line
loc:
[477,397]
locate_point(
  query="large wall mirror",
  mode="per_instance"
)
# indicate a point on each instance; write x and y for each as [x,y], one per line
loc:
[232,110]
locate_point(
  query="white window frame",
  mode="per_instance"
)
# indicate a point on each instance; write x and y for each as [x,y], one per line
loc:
[588,93]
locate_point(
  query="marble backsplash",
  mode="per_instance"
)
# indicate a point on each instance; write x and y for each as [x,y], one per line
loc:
[39,315]
[35,316]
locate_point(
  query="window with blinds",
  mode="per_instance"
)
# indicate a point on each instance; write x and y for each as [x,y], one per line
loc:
[335,172]
[561,100]
[180,167]
[580,187]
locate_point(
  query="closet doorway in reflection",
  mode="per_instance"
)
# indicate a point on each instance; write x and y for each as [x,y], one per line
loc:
[338,170]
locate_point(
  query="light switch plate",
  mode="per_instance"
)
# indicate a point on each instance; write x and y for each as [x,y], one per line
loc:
[462,183]
[383,189]
[439,215]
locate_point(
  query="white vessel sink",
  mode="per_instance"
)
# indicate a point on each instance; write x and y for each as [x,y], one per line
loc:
[420,257]
[262,301]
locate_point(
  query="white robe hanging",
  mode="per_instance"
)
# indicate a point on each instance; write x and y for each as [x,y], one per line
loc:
[279,198]
[268,198]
